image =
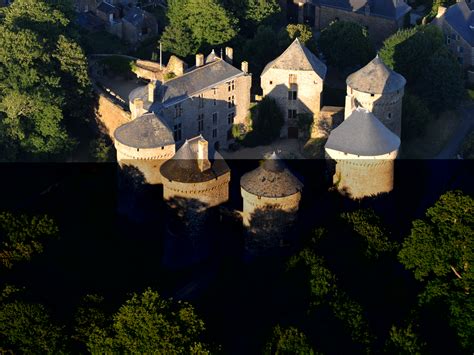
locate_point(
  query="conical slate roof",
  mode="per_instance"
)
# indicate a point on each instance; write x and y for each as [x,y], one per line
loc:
[364,135]
[298,57]
[184,166]
[271,179]
[376,78]
[147,131]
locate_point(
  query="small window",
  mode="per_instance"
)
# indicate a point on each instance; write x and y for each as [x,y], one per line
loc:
[201,101]
[389,115]
[372,95]
[271,82]
[230,118]
[215,102]
[292,95]
[200,123]
[214,133]
[178,110]
[214,118]
[231,101]
[291,114]
[231,85]
[177,132]
[461,49]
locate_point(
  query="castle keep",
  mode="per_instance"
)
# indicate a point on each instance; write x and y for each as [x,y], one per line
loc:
[364,151]
[378,89]
[295,81]
[205,100]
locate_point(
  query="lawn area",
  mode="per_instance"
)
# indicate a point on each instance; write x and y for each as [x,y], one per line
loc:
[433,139]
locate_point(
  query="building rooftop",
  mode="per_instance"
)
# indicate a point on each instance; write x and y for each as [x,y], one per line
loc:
[271,179]
[461,18]
[190,84]
[106,8]
[135,16]
[145,132]
[393,9]
[376,78]
[298,57]
[364,135]
[184,166]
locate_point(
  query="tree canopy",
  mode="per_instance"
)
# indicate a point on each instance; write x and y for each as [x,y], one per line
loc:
[147,323]
[432,73]
[196,24]
[440,252]
[288,341]
[43,78]
[346,45]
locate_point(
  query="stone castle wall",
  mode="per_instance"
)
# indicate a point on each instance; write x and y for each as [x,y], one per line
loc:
[111,115]
[147,161]
[209,193]
[329,118]
[360,177]
[275,84]
[387,107]
[379,28]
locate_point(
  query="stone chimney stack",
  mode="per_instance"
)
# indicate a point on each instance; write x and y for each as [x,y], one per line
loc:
[137,108]
[151,91]
[245,67]
[203,155]
[441,11]
[199,60]
[229,55]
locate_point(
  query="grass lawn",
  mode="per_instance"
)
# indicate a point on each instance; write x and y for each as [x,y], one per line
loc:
[433,139]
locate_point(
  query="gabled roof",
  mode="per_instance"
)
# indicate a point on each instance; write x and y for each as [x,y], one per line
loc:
[298,57]
[376,78]
[461,18]
[364,135]
[147,131]
[271,179]
[183,167]
[196,81]
[393,9]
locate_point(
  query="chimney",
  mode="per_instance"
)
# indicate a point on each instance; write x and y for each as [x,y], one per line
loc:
[441,11]
[199,60]
[245,67]
[137,107]
[203,155]
[229,55]
[151,91]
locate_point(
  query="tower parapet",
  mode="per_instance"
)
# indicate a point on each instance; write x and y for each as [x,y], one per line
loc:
[364,151]
[378,89]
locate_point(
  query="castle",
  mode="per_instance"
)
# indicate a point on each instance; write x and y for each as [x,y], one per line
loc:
[186,112]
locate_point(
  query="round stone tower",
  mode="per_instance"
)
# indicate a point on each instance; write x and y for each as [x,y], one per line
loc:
[144,144]
[364,151]
[378,89]
[271,195]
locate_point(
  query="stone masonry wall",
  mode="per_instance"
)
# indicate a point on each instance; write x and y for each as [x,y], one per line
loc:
[210,193]
[360,177]
[214,101]
[275,84]
[387,107]
[379,28]
[329,118]
[147,161]
[111,115]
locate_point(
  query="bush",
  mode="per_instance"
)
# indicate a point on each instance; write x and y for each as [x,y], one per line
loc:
[101,150]
[268,121]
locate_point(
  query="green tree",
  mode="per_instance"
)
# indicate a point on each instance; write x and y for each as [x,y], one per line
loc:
[440,252]
[404,340]
[21,236]
[147,323]
[27,327]
[369,226]
[195,24]
[44,85]
[288,341]
[467,149]
[415,116]
[260,10]
[262,48]
[269,120]
[346,45]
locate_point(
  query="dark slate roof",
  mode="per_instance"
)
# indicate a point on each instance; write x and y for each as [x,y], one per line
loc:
[376,78]
[135,16]
[393,9]
[183,167]
[106,8]
[147,131]
[364,135]
[195,81]
[271,179]
[460,17]
[298,57]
